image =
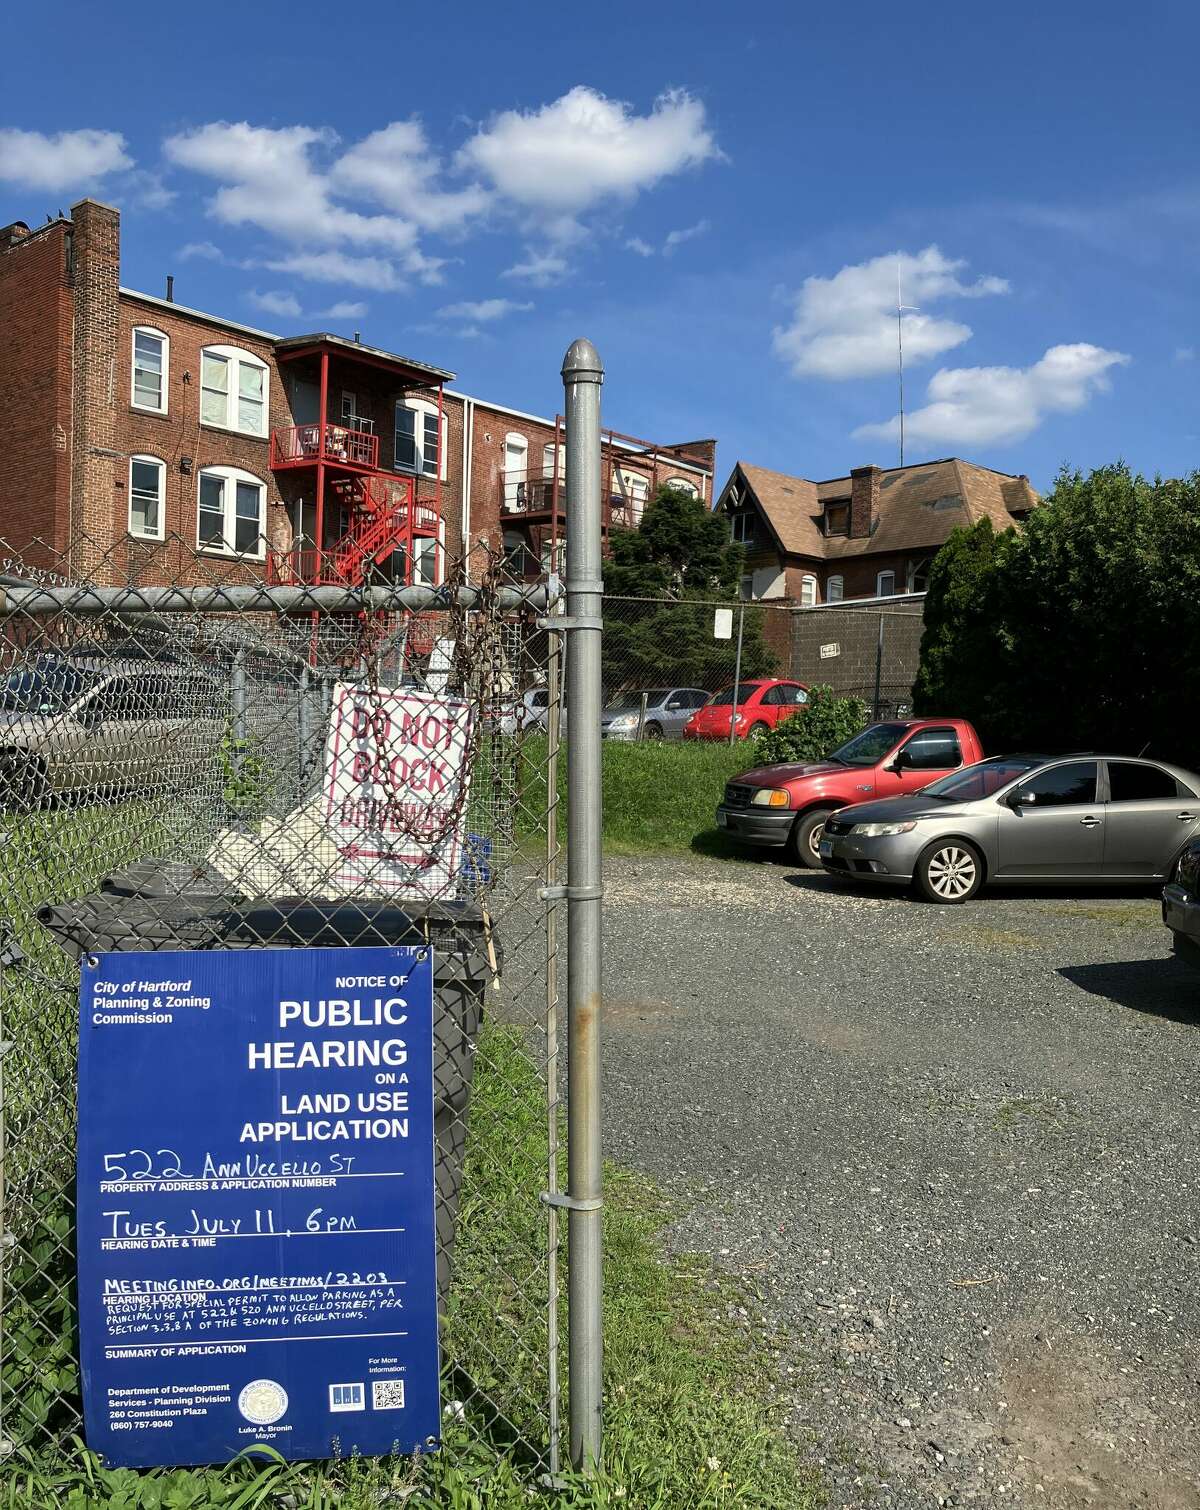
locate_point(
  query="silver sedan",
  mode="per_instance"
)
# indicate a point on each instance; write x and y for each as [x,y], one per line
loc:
[1022,819]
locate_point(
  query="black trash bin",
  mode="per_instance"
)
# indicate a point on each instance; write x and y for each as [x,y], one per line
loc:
[156,905]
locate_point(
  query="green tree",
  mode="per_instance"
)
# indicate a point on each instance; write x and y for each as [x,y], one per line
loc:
[676,564]
[1080,630]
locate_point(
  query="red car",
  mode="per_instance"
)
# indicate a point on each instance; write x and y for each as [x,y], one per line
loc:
[786,805]
[762,703]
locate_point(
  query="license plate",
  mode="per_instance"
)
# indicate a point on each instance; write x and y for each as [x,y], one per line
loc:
[722,821]
[825,849]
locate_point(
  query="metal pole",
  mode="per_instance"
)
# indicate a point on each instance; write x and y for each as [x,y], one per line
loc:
[582,375]
[237,728]
[553,693]
[737,674]
[7,957]
[304,726]
[641,728]
[878,668]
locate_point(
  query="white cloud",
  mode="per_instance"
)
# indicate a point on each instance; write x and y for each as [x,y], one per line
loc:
[642,248]
[67,160]
[207,250]
[267,179]
[285,306]
[677,238]
[344,309]
[397,168]
[580,149]
[975,406]
[336,267]
[539,268]
[845,326]
[482,310]
[1185,353]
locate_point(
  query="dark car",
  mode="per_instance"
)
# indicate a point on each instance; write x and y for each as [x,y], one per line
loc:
[1181,905]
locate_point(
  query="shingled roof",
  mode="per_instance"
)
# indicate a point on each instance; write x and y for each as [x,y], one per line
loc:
[918,506]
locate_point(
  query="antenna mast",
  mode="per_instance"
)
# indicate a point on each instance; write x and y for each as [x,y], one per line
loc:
[900,354]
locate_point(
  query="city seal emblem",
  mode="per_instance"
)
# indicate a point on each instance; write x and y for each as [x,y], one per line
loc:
[263,1402]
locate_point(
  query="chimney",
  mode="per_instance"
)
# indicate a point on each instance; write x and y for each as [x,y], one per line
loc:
[864,500]
[170,289]
[11,234]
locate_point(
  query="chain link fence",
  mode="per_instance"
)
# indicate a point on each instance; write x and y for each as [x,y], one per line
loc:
[165,782]
[681,652]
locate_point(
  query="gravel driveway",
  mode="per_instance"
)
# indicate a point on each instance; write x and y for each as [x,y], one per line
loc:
[955,1148]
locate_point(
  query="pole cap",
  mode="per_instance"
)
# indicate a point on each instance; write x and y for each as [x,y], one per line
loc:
[582,363]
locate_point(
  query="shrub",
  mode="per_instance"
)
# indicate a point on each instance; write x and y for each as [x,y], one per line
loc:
[826,722]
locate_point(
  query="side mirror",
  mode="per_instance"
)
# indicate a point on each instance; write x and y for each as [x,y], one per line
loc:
[1021,798]
[898,761]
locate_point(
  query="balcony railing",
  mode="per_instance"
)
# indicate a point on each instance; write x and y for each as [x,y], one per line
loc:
[305,445]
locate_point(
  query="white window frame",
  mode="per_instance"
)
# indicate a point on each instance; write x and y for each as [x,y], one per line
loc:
[231,476]
[739,532]
[835,589]
[514,442]
[808,590]
[890,592]
[683,485]
[237,357]
[149,461]
[422,407]
[165,346]
[549,451]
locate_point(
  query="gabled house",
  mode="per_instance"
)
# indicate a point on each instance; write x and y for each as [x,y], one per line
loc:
[872,534]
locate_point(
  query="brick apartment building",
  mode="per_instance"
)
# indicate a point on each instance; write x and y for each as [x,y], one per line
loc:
[149,442]
[872,534]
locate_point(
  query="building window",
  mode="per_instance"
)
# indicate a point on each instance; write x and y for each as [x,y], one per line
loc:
[420,442]
[885,584]
[151,353]
[516,471]
[232,514]
[741,527]
[629,492]
[554,555]
[233,390]
[808,591]
[746,589]
[683,485]
[147,489]
[834,589]
[918,574]
[425,562]
[554,463]
[353,416]
[837,518]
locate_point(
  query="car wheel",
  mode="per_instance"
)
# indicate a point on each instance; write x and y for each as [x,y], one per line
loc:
[24,783]
[950,871]
[806,836]
[754,729]
[653,731]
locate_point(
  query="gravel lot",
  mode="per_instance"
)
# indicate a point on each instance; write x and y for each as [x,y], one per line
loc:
[957,1151]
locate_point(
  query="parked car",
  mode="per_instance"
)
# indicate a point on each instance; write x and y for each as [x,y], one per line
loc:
[667,710]
[529,711]
[787,805]
[1181,905]
[81,724]
[1022,818]
[761,704]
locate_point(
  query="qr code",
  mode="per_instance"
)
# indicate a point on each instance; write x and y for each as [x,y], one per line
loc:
[387,1394]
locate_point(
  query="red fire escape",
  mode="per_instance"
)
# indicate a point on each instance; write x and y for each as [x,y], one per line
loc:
[380,512]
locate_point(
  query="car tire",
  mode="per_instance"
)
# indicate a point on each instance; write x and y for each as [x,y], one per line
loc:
[806,835]
[24,783]
[758,728]
[949,871]
[652,731]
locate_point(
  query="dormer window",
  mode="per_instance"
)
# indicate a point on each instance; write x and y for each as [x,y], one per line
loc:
[837,517]
[741,527]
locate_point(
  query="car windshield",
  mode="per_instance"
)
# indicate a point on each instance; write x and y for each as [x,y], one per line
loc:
[869,747]
[48,691]
[982,780]
[724,698]
[631,702]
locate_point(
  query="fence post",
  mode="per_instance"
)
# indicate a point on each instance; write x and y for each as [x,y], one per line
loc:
[304,723]
[582,374]
[237,729]
[737,673]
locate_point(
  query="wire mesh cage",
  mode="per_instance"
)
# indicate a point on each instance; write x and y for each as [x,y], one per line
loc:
[200,762]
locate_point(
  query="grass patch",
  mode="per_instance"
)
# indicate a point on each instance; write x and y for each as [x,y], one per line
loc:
[1117,914]
[658,796]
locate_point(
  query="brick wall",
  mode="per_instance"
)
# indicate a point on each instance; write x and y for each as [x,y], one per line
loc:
[96,264]
[35,381]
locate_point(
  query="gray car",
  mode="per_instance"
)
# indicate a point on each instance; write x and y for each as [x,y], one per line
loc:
[1021,818]
[667,710]
[90,724]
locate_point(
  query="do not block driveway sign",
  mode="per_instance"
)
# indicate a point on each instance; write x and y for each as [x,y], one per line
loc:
[256,1204]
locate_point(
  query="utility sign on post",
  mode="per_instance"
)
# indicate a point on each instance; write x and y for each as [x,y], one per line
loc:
[397,780]
[723,624]
[256,1204]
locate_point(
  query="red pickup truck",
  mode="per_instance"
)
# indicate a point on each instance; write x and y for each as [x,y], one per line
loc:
[786,805]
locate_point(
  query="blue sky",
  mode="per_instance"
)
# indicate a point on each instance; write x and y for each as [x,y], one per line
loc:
[718,198]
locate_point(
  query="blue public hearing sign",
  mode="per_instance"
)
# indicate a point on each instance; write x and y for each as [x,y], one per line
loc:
[256,1204]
